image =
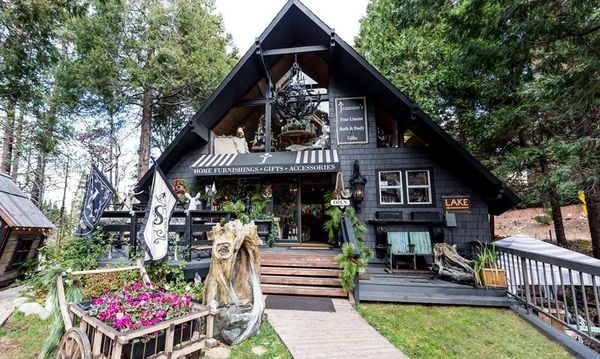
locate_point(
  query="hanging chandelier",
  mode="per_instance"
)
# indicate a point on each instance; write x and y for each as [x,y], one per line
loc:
[297,100]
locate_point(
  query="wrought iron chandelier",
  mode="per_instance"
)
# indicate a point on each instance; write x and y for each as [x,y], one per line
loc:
[297,100]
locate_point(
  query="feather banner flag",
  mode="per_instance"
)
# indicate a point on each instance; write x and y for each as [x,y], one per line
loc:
[154,233]
[97,196]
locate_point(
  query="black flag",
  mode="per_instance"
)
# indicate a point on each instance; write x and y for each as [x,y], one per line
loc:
[98,194]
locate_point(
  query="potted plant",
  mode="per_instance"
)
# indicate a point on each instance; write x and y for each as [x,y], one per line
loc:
[486,268]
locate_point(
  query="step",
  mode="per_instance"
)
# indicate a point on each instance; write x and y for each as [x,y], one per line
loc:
[307,272]
[370,296]
[314,281]
[297,263]
[297,257]
[432,290]
[302,290]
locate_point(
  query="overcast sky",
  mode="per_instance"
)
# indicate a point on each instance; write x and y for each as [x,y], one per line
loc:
[245,20]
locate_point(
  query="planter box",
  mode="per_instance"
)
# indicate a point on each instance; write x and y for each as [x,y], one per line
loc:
[551,321]
[495,278]
[145,346]
[263,227]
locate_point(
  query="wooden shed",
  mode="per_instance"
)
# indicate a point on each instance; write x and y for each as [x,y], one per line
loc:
[22,228]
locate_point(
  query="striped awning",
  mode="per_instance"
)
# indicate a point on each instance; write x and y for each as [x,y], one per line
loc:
[309,161]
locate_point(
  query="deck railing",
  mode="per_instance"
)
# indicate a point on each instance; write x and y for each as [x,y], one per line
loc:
[121,229]
[561,291]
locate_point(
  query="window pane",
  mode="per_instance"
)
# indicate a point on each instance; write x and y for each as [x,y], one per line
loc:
[389,179]
[417,178]
[391,195]
[418,195]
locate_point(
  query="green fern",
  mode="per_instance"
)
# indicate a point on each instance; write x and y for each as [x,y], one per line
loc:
[352,265]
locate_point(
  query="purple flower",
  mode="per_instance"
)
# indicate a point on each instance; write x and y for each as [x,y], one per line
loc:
[148,307]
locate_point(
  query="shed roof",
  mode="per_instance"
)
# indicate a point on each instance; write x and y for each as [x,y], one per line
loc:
[16,209]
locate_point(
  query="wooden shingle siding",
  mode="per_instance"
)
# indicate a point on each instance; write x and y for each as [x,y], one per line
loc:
[471,227]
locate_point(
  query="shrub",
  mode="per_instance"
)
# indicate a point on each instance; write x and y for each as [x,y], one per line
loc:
[543,218]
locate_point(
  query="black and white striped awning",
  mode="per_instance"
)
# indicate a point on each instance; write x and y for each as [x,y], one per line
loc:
[308,161]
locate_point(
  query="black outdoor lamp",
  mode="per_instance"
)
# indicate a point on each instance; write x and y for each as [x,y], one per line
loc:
[357,182]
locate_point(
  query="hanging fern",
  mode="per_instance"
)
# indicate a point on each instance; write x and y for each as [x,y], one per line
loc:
[334,223]
[352,265]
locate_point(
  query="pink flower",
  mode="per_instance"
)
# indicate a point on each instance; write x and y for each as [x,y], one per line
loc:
[148,307]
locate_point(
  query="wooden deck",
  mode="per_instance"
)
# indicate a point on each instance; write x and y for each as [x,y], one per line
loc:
[425,289]
[341,334]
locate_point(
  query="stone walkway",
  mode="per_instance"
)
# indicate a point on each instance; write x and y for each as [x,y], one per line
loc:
[343,334]
[7,296]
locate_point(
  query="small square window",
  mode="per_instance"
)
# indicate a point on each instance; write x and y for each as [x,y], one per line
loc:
[390,187]
[24,245]
[418,186]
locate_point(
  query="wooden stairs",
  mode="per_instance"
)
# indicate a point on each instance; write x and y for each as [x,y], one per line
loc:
[295,274]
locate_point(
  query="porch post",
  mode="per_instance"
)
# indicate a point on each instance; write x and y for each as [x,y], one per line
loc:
[268,119]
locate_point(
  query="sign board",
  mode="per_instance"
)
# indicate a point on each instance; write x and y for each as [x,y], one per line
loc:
[308,161]
[456,203]
[351,116]
[340,202]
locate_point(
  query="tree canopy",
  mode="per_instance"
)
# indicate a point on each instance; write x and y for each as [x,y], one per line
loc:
[517,83]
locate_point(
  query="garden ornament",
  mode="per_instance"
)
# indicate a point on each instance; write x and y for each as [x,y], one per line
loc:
[193,205]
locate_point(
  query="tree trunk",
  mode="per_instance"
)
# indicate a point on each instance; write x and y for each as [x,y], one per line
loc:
[559,227]
[17,150]
[145,133]
[146,125]
[37,190]
[9,127]
[592,200]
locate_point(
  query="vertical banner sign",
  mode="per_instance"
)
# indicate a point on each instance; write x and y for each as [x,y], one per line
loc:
[154,233]
[98,194]
[351,115]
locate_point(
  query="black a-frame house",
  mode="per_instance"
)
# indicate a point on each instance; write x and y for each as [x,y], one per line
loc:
[415,172]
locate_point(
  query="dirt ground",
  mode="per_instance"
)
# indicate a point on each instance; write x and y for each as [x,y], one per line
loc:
[521,221]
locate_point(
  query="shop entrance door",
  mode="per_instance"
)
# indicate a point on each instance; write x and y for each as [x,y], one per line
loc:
[286,207]
[312,190]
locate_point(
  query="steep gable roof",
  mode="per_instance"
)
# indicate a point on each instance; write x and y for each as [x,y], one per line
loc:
[296,25]
[16,209]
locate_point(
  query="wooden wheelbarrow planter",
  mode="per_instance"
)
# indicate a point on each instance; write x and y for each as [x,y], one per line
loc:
[87,337]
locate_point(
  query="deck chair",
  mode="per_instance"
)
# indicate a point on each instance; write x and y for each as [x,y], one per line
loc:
[422,243]
[397,245]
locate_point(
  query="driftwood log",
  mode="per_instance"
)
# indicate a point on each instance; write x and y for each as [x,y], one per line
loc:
[449,265]
[233,281]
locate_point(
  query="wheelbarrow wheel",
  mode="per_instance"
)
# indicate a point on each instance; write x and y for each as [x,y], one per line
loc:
[74,345]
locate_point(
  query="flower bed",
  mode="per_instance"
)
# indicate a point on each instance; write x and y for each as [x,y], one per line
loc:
[138,307]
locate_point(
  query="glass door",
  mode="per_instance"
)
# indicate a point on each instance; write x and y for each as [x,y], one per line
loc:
[286,208]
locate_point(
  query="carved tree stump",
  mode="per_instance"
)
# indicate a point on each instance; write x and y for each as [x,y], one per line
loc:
[449,265]
[233,281]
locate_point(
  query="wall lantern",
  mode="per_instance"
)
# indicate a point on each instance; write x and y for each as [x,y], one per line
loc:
[357,182]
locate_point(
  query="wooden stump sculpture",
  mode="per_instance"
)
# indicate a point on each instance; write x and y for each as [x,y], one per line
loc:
[449,265]
[233,281]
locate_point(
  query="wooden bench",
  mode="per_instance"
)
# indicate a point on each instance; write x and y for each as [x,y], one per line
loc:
[411,244]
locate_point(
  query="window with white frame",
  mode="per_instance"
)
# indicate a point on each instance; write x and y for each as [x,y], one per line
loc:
[390,187]
[418,187]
